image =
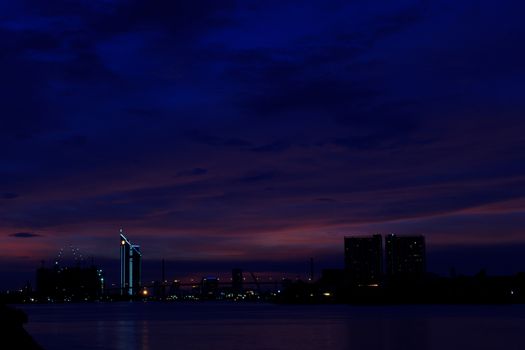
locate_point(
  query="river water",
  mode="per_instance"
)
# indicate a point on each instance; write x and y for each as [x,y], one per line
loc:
[231,326]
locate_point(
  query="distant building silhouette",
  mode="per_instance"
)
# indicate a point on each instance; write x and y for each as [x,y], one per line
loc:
[70,283]
[237,281]
[209,287]
[130,267]
[405,256]
[175,288]
[364,260]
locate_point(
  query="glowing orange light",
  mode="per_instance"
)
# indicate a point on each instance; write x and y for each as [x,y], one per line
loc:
[144,292]
[122,242]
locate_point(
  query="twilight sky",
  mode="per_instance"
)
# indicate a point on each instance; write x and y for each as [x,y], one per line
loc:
[251,132]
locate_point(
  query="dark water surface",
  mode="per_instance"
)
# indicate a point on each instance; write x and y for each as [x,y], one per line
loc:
[218,326]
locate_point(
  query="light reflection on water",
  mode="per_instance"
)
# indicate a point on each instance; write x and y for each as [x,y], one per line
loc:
[151,326]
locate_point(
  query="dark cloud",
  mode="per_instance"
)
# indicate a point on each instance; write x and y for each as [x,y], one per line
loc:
[76,141]
[327,96]
[236,142]
[274,147]
[182,20]
[192,172]
[198,136]
[147,113]
[258,177]
[379,140]
[204,138]
[24,235]
[261,124]
[393,23]
[327,200]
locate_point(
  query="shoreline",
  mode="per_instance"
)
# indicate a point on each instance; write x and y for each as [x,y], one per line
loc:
[12,322]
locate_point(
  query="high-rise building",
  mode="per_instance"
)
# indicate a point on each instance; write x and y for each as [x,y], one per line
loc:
[130,267]
[405,256]
[364,260]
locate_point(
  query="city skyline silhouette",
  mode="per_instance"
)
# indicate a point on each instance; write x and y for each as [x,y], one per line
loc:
[220,133]
[260,174]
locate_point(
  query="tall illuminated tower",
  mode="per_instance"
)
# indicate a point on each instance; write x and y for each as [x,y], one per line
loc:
[130,266]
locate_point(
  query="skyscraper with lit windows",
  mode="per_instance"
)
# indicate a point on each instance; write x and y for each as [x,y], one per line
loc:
[364,260]
[405,256]
[130,267]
